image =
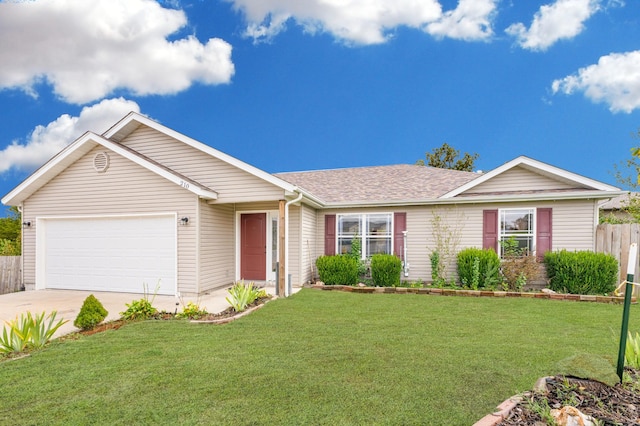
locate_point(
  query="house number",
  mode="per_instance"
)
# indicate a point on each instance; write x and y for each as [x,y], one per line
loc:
[184,184]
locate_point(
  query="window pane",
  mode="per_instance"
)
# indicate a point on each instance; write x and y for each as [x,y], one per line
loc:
[379,224]
[516,221]
[378,245]
[524,245]
[348,225]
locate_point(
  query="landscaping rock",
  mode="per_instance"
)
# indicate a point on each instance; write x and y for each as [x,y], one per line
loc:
[548,291]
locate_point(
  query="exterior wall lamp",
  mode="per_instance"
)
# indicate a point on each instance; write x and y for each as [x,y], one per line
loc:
[26,224]
[184,221]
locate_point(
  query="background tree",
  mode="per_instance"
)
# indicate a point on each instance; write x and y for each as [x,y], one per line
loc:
[11,233]
[628,175]
[447,157]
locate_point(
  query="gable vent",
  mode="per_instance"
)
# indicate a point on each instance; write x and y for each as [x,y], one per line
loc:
[101,162]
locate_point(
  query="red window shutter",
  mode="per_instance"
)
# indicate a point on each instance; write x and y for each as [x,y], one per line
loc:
[543,231]
[399,226]
[330,234]
[490,229]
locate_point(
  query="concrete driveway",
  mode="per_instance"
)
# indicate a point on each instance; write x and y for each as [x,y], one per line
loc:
[67,304]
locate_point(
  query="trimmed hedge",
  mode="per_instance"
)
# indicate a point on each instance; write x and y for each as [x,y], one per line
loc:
[91,314]
[338,270]
[385,270]
[581,272]
[488,269]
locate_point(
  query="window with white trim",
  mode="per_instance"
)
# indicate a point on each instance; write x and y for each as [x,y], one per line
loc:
[517,224]
[374,230]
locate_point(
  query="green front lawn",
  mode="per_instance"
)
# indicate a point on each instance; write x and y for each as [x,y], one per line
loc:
[315,358]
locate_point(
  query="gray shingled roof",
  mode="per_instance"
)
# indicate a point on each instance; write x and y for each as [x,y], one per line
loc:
[403,182]
[618,202]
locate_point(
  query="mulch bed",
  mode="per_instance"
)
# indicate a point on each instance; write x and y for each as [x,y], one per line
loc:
[610,405]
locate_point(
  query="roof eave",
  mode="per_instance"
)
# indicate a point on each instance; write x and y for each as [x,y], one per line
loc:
[83,145]
[578,195]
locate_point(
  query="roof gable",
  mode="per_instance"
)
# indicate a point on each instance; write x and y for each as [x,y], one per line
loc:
[82,146]
[133,120]
[531,176]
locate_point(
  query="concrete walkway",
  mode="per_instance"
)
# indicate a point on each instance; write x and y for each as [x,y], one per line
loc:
[67,304]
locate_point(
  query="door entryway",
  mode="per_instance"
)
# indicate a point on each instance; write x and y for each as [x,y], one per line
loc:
[253,246]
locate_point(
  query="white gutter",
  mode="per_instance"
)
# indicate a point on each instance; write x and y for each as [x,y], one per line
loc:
[478,199]
[286,241]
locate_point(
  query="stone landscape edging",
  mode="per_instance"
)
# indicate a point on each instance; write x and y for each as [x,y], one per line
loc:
[474,293]
[235,317]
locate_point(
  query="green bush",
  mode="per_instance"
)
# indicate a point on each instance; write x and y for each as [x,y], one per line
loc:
[478,268]
[139,310]
[385,270]
[338,269]
[91,314]
[581,272]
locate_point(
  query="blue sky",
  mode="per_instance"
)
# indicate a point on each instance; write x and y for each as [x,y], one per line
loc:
[289,85]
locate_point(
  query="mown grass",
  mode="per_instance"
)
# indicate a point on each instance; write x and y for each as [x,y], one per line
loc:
[325,358]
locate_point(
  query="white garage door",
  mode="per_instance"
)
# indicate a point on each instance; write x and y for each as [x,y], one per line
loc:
[109,254]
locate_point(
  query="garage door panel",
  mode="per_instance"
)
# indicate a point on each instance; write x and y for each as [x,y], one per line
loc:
[111,254]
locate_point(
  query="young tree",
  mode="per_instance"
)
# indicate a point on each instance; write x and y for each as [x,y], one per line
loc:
[447,157]
[628,175]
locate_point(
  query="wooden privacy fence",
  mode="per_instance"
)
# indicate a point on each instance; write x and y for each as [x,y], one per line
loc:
[10,274]
[615,240]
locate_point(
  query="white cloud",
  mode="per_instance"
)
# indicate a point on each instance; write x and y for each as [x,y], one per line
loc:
[367,21]
[614,80]
[88,49]
[46,141]
[563,19]
[471,20]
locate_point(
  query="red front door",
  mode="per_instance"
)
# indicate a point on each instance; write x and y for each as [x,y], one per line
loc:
[253,246]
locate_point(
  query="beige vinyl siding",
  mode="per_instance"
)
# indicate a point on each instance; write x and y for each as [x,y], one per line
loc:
[573,228]
[519,179]
[125,188]
[217,246]
[294,244]
[308,244]
[232,184]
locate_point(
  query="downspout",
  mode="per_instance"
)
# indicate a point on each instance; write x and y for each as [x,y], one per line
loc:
[286,241]
[405,264]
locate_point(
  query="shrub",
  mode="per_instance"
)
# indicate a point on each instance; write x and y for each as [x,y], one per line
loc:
[338,269]
[385,270]
[91,314]
[436,277]
[581,272]
[356,253]
[143,308]
[487,272]
[517,270]
[192,311]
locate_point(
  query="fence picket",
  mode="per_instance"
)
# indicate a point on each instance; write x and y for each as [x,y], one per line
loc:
[10,274]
